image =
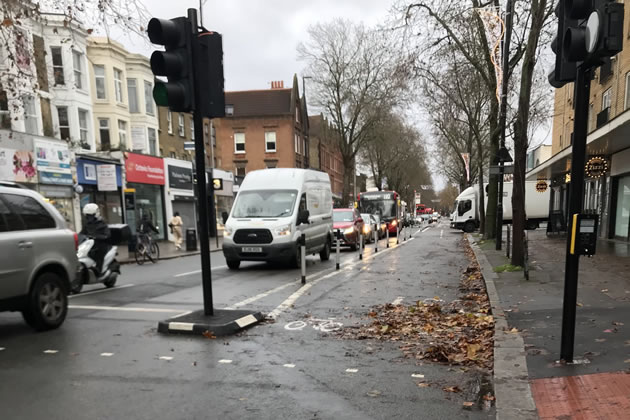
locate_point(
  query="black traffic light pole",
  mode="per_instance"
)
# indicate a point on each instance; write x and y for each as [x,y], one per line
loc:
[576,189]
[200,163]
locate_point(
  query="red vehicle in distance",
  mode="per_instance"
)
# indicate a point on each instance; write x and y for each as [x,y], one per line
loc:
[385,204]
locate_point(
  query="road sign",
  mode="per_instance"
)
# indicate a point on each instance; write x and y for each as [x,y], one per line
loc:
[496,170]
[189,145]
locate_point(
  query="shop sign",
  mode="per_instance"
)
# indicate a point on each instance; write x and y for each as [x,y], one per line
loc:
[180,178]
[144,169]
[541,186]
[53,162]
[106,175]
[138,137]
[596,167]
[88,172]
[17,165]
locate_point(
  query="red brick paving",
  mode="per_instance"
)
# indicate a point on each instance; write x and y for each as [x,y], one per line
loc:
[601,396]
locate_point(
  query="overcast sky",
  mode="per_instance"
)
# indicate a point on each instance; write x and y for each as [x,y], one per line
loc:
[260,36]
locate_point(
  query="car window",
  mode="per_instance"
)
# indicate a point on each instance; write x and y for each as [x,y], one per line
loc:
[10,218]
[32,213]
[303,203]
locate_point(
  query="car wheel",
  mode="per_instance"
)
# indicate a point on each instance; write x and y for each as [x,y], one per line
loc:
[233,264]
[324,254]
[532,225]
[469,227]
[47,305]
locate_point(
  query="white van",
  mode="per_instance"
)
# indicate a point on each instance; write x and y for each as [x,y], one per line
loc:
[272,210]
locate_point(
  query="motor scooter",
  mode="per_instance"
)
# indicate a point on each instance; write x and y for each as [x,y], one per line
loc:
[89,273]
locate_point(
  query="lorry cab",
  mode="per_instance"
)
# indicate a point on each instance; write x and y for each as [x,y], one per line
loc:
[464,214]
[272,209]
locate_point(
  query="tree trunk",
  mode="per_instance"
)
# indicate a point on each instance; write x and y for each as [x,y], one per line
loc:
[493,187]
[348,181]
[520,131]
[482,196]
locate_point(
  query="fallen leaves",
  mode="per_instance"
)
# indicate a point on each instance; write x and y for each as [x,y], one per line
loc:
[423,384]
[452,389]
[208,334]
[468,404]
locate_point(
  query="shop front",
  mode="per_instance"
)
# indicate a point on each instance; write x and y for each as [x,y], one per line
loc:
[620,197]
[101,182]
[144,192]
[55,177]
[224,198]
[180,196]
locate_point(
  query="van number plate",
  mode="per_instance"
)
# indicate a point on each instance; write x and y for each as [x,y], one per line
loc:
[251,249]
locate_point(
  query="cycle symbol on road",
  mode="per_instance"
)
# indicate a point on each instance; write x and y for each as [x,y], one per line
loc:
[323,325]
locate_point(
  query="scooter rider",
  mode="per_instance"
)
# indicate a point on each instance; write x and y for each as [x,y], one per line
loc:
[96,229]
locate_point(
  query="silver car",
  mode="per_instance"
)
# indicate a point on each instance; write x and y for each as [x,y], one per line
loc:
[38,258]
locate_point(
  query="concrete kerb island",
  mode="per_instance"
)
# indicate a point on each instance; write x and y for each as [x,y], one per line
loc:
[512,389]
[223,322]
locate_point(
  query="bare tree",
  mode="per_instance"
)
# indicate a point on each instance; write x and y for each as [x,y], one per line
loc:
[357,75]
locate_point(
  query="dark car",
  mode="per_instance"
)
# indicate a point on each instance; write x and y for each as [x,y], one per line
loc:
[349,223]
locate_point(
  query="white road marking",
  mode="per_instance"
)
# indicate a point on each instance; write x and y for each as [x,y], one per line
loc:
[398,300]
[289,365]
[181,315]
[107,354]
[246,320]
[199,271]
[261,295]
[2,348]
[286,304]
[425,229]
[180,326]
[352,370]
[417,375]
[51,351]
[417,231]
[125,309]
[166,358]
[441,233]
[225,361]
[111,289]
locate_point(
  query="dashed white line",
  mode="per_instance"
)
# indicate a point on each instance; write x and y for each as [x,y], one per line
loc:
[225,361]
[189,273]
[51,351]
[167,358]
[352,370]
[425,229]
[417,375]
[107,354]
[398,300]
[261,295]
[441,233]
[289,365]
[92,292]
[2,348]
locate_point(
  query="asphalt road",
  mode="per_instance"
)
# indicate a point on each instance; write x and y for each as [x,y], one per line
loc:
[108,361]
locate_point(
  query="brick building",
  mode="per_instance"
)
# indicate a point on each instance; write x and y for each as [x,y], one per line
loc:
[607,171]
[324,152]
[262,129]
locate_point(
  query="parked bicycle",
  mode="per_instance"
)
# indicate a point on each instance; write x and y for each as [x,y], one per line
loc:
[146,248]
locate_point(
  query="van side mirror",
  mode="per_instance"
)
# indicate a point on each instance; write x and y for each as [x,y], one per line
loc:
[303,216]
[224,216]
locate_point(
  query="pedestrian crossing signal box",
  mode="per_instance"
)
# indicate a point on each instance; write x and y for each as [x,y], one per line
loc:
[584,234]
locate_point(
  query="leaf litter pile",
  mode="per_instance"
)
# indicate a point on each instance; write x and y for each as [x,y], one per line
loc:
[455,333]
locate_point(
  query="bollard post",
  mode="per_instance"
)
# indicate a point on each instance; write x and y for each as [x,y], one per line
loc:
[387,234]
[397,234]
[303,257]
[337,246]
[360,245]
[375,239]
[507,244]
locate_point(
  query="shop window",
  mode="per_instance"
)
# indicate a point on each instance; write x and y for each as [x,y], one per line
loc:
[132,94]
[99,80]
[148,97]
[192,129]
[64,123]
[31,212]
[626,103]
[77,60]
[122,134]
[57,62]
[239,142]
[103,130]
[270,141]
[606,99]
[118,85]
[229,110]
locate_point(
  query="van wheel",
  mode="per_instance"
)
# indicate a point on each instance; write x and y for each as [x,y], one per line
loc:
[532,225]
[469,227]
[324,254]
[233,264]
[47,304]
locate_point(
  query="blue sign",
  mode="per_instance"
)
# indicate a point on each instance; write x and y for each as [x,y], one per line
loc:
[57,178]
[86,172]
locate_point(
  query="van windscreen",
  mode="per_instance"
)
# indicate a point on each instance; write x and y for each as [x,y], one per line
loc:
[265,203]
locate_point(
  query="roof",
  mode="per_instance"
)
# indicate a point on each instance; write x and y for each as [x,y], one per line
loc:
[255,103]
[282,178]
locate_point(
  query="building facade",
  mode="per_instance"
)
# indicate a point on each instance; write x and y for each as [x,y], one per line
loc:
[262,129]
[324,145]
[607,170]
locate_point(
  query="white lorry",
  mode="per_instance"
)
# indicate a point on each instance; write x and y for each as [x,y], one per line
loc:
[465,214]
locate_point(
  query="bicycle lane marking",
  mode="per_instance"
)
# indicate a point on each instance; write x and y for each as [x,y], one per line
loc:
[92,292]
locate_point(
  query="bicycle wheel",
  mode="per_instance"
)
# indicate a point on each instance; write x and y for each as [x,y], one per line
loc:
[154,253]
[140,253]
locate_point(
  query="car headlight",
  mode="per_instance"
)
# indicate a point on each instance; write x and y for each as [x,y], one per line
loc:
[227,232]
[349,231]
[283,231]
[394,223]
[366,229]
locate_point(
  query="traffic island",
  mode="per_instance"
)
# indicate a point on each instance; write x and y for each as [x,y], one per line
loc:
[223,322]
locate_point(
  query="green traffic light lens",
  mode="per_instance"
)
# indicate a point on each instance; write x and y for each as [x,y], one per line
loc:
[160,94]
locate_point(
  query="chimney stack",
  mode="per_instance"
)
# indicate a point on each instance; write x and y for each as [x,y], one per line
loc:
[277,84]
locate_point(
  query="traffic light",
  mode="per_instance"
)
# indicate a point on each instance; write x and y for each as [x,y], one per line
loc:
[209,59]
[176,63]
[588,31]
